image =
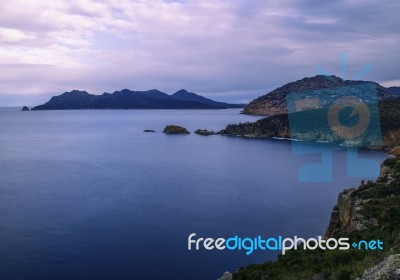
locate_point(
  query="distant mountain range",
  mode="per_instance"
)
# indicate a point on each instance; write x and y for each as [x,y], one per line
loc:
[274,102]
[128,99]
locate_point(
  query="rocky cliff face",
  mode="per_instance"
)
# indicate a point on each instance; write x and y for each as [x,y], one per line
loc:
[274,102]
[279,126]
[349,214]
[347,217]
[362,209]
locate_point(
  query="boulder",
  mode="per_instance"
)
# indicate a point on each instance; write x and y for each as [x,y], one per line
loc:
[25,108]
[175,129]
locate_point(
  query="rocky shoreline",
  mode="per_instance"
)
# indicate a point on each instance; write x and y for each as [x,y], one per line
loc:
[278,126]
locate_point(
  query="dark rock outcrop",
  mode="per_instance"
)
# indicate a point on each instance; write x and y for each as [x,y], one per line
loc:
[276,126]
[25,108]
[274,102]
[127,99]
[149,130]
[205,132]
[175,129]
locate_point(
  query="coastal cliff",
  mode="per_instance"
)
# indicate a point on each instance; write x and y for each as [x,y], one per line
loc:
[279,126]
[371,211]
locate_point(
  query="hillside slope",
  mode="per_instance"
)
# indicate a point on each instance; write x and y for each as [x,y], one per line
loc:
[274,102]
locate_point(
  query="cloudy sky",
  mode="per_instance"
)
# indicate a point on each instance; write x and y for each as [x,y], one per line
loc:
[229,50]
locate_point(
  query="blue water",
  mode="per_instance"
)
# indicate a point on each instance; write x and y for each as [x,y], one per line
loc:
[89,195]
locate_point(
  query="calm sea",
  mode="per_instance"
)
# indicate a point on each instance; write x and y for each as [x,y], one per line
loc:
[88,195]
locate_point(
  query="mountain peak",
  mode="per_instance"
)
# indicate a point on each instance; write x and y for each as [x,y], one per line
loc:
[76,91]
[182,92]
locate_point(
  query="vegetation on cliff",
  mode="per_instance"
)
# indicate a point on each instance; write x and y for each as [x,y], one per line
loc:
[389,112]
[371,211]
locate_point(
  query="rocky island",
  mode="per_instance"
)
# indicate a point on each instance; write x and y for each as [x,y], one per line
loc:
[205,132]
[128,99]
[175,129]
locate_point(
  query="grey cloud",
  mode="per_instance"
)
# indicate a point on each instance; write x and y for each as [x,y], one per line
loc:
[234,49]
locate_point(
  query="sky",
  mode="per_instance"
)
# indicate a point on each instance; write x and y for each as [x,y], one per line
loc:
[228,50]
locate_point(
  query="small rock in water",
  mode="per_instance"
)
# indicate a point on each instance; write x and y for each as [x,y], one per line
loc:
[175,129]
[205,132]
